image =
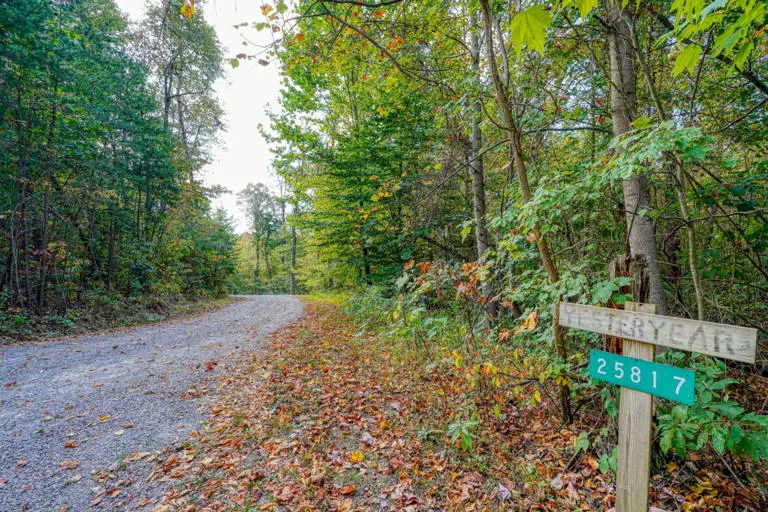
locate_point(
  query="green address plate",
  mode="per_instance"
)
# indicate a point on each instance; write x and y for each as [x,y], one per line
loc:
[656,379]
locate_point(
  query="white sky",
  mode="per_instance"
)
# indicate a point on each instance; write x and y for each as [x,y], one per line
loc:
[245,93]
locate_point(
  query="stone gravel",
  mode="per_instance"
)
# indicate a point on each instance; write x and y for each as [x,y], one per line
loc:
[110,395]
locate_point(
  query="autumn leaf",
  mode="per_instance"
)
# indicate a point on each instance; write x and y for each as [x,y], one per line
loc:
[69,464]
[70,444]
[531,321]
[188,10]
[356,457]
[348,489]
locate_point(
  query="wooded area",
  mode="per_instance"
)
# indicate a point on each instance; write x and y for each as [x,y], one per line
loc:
[469,165]
[104,130]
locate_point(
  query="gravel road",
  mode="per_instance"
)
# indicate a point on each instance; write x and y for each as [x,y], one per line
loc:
[92,400]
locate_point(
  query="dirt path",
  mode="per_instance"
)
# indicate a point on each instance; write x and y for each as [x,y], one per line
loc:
[89,401]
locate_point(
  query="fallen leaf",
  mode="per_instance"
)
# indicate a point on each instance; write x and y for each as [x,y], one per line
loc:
[10,384]
[348,489]
[21,463]
[143,502]
[74,479]
[356,457]
[70,444]
[119,432]
[69,464]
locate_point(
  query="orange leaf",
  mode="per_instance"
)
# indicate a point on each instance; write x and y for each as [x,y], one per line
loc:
[348,489]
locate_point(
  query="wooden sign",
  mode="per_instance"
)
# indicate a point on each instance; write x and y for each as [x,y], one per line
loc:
[657,379]
[720,340]
[639,377]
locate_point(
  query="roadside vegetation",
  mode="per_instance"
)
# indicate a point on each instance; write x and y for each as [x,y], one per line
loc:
[330,417]
[466,166]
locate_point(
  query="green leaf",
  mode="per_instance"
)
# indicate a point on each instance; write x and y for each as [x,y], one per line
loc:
[642,123]
[602,291]
[585,6]
[728,409]
[529,28]
[723,383]
[743,54]
[718,441]
[665,443]
[234,63]
[687,59]
[582,443]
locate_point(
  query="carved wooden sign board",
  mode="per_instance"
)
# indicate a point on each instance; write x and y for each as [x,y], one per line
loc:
[640,377]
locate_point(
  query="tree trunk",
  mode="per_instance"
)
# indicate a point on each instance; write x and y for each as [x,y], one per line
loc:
[477,173]
[292,275]
[45,218]
[366,266]
[266,260]
[517,160]
[26,297]
[258,258]
[637,197]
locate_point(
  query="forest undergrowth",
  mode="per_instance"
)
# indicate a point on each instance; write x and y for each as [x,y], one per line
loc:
[107,313]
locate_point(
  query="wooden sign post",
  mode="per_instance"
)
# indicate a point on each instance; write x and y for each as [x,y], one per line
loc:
[640,378]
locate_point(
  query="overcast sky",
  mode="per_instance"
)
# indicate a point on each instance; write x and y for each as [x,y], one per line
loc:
[245,93]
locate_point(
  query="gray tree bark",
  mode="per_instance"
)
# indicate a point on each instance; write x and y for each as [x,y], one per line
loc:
[477,173]
[637,197]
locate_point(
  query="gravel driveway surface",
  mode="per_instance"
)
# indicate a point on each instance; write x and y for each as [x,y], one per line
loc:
[73,406]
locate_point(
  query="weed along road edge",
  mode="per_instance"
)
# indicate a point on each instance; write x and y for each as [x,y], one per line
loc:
[75,406]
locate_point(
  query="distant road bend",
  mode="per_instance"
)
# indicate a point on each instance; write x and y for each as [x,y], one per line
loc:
[74,406]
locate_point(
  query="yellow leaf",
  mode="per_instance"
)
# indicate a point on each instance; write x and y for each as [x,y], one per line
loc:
[532,321]
[187,10]
[537,396]
[356,457]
